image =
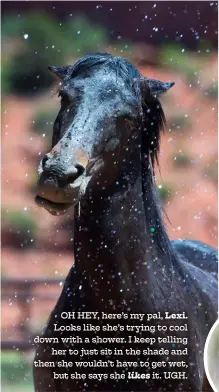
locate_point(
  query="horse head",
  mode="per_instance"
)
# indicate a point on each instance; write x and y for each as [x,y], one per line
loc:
[108,110]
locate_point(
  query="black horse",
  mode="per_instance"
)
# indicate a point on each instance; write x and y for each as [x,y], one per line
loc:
[104,149]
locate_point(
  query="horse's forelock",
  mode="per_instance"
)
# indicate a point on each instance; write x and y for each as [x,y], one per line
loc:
[152,126]
[89,62]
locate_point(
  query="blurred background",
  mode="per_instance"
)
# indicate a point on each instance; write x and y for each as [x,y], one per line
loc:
[165,40]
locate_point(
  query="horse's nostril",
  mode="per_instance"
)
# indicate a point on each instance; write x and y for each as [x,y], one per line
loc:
[75,172]
[80,169]
[56,171]
[44,160]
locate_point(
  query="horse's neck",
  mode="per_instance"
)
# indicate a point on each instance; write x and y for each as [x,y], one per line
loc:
[115,250]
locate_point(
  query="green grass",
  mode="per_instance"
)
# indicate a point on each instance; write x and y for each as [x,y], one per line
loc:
[16,372]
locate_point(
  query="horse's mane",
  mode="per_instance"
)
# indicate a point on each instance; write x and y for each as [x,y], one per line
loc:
[153,124]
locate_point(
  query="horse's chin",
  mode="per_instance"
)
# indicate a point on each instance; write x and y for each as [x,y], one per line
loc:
[54,208]
[58,202]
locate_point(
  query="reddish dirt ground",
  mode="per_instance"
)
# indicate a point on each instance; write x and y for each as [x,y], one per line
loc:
[192,207]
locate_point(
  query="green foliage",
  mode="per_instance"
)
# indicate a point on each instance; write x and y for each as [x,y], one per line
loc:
[212,91]
[82,36]
[19,220]
[165,191]
[179,59]
[179,122]
[15,370]
[5,76]
[211,172]
[21,225]
[31,79]
[205,47]
[42,40]
[181,160]
[39,27]
[43,45]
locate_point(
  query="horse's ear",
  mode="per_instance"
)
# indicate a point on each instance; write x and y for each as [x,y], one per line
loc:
[60,72]
[156,87]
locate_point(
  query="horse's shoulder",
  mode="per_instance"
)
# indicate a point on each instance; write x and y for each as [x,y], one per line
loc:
[199,254]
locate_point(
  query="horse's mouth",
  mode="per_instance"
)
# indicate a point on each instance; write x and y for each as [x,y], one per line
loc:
[51,207]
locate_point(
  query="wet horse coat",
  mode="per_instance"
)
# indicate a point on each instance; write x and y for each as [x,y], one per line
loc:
[105,144]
